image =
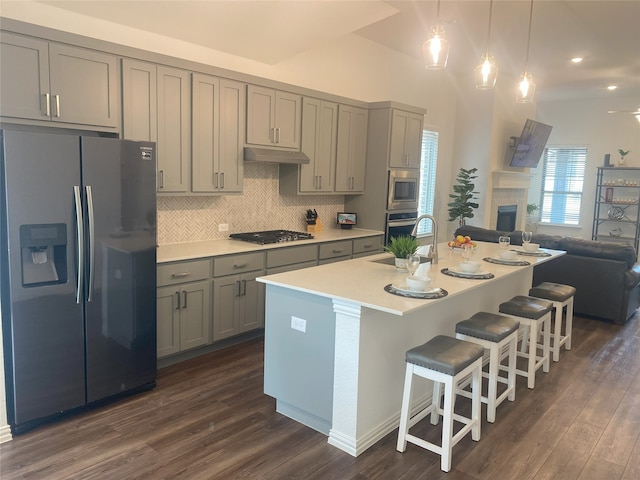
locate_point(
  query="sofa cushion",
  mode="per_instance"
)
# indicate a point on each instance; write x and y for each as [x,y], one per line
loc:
[592,248]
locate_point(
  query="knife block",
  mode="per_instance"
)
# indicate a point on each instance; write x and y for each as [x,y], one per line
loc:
[317,227]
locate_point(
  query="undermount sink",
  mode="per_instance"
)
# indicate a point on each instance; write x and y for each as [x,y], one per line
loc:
[392,260]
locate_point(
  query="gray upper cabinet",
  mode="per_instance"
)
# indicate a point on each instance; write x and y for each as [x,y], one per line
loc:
[218,125]
[52,82]
[273,117]
[174,130]
[139,101]
[351,149]
[406,139]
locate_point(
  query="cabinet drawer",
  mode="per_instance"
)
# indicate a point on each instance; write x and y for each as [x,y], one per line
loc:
[290,255]
[335,249]
[237,264]
[170,274]
[368,244]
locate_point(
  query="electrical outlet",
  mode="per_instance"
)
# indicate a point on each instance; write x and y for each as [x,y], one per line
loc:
[299,324]
[223,227]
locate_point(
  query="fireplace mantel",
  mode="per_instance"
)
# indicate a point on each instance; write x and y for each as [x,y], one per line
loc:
[507,179]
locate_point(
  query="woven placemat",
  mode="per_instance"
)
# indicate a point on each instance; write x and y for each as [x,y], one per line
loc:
[532,254]
[471,276]
[439,293]
[513,263]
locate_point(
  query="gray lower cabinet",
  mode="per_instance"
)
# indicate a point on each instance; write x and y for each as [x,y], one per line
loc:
[291,258]
[184,306]
[51,82]
[335,251]
[238,299]
[367,246]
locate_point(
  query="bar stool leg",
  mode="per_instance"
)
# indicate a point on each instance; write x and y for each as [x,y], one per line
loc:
[569,325]
[546,345]
[533,353]
[447,424]
[404,413]
[511,370]
[436,398]
[494,362]
[476,403]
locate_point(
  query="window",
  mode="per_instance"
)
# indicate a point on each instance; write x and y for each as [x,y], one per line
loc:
[427,179]
[562,183]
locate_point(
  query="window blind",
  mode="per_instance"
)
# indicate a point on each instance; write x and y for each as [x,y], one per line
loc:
[562,185]
[427,178]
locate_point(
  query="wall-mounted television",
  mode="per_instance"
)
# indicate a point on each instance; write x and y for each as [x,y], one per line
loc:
[530,145]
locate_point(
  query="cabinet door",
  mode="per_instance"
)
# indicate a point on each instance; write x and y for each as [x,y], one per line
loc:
[139,97]
[84,86]
[413,142]
[288,114]
[351,149]
[24,77]
[226,304]
[232,123]
[168,321]
[251,302]
[260,115]
[319,132]
[195,314]
[406,140]
[174,130]
[205,133]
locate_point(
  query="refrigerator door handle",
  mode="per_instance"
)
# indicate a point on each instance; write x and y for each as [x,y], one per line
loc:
[92,242]
[80,232]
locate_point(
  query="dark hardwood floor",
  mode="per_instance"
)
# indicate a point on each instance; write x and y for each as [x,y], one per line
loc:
[208,419]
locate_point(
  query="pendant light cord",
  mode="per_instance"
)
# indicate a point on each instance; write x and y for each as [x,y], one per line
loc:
[526,62]
[486,54]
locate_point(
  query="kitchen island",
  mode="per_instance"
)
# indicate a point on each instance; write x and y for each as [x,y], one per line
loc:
[335,340]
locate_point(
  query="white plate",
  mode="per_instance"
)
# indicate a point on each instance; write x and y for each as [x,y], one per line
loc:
[522,250]
[404,288]
[461,272]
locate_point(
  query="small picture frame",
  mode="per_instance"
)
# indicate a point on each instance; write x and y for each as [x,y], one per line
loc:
[347,220]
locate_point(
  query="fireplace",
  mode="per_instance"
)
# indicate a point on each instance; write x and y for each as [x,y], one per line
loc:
[507,218]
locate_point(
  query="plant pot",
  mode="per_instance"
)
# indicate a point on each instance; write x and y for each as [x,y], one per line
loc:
[401,263]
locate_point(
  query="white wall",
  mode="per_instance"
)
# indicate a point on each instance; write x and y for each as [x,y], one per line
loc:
[586,123]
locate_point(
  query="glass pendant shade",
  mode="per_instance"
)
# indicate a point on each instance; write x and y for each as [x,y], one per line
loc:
[436,50]
[486,74]
[526,89]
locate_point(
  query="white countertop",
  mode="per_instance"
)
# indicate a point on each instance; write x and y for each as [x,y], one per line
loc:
[210,248]
[362,280]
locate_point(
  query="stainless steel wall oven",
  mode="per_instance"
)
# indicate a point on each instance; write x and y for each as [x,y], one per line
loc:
[399,223]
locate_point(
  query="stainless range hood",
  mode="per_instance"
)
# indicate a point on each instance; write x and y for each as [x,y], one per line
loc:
[252,154]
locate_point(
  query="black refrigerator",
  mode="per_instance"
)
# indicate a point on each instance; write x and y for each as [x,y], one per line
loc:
[78,274]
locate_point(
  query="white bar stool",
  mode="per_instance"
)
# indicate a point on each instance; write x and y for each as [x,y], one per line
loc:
[561,296]
[444,360]
[536,315]
[495,333]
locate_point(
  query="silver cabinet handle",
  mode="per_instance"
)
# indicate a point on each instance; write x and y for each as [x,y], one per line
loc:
[47,104]
[238,289]
[278,134]
[242,265]
[80,233]
[244,287]
[320,179]
[177,300]
[180,274]
[57,99]
[92,242]
[367,246]
[222,180]
[161,175]
[184,299]
[335,250]
[215,180]
[273,135]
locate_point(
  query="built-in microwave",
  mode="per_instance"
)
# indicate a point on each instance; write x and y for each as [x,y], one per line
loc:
[403,189]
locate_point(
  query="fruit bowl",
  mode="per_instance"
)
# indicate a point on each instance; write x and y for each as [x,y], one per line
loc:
[460,241]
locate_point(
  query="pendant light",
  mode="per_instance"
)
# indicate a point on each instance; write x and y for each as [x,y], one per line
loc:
[436,49]
[526,87]
[486,73]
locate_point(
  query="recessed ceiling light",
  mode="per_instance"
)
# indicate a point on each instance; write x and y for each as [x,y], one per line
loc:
[612,87]
[577,59]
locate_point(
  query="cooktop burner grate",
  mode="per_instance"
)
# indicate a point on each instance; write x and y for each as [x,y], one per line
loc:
[271,236]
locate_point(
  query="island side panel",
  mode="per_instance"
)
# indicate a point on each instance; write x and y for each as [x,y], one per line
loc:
[298,366]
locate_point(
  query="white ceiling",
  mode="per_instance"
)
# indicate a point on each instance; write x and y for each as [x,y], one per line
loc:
[606,33]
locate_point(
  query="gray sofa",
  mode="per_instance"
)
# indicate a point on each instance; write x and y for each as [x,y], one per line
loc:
[605,274]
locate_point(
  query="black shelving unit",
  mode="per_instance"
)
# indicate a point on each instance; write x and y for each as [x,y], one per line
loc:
[616,216]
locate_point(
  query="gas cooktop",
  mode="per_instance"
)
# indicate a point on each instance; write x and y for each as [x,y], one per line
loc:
[271,236]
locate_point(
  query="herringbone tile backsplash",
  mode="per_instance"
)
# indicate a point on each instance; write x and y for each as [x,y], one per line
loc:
[260,207]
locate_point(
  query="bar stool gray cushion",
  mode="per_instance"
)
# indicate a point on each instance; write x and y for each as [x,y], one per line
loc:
[526,307]
[445,354]
[553,291]
[488,326]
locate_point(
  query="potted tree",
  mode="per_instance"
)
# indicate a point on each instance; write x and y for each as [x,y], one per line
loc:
[402,247]
[463,195]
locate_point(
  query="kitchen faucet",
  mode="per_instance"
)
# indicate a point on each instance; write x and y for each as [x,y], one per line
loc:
[433,252]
